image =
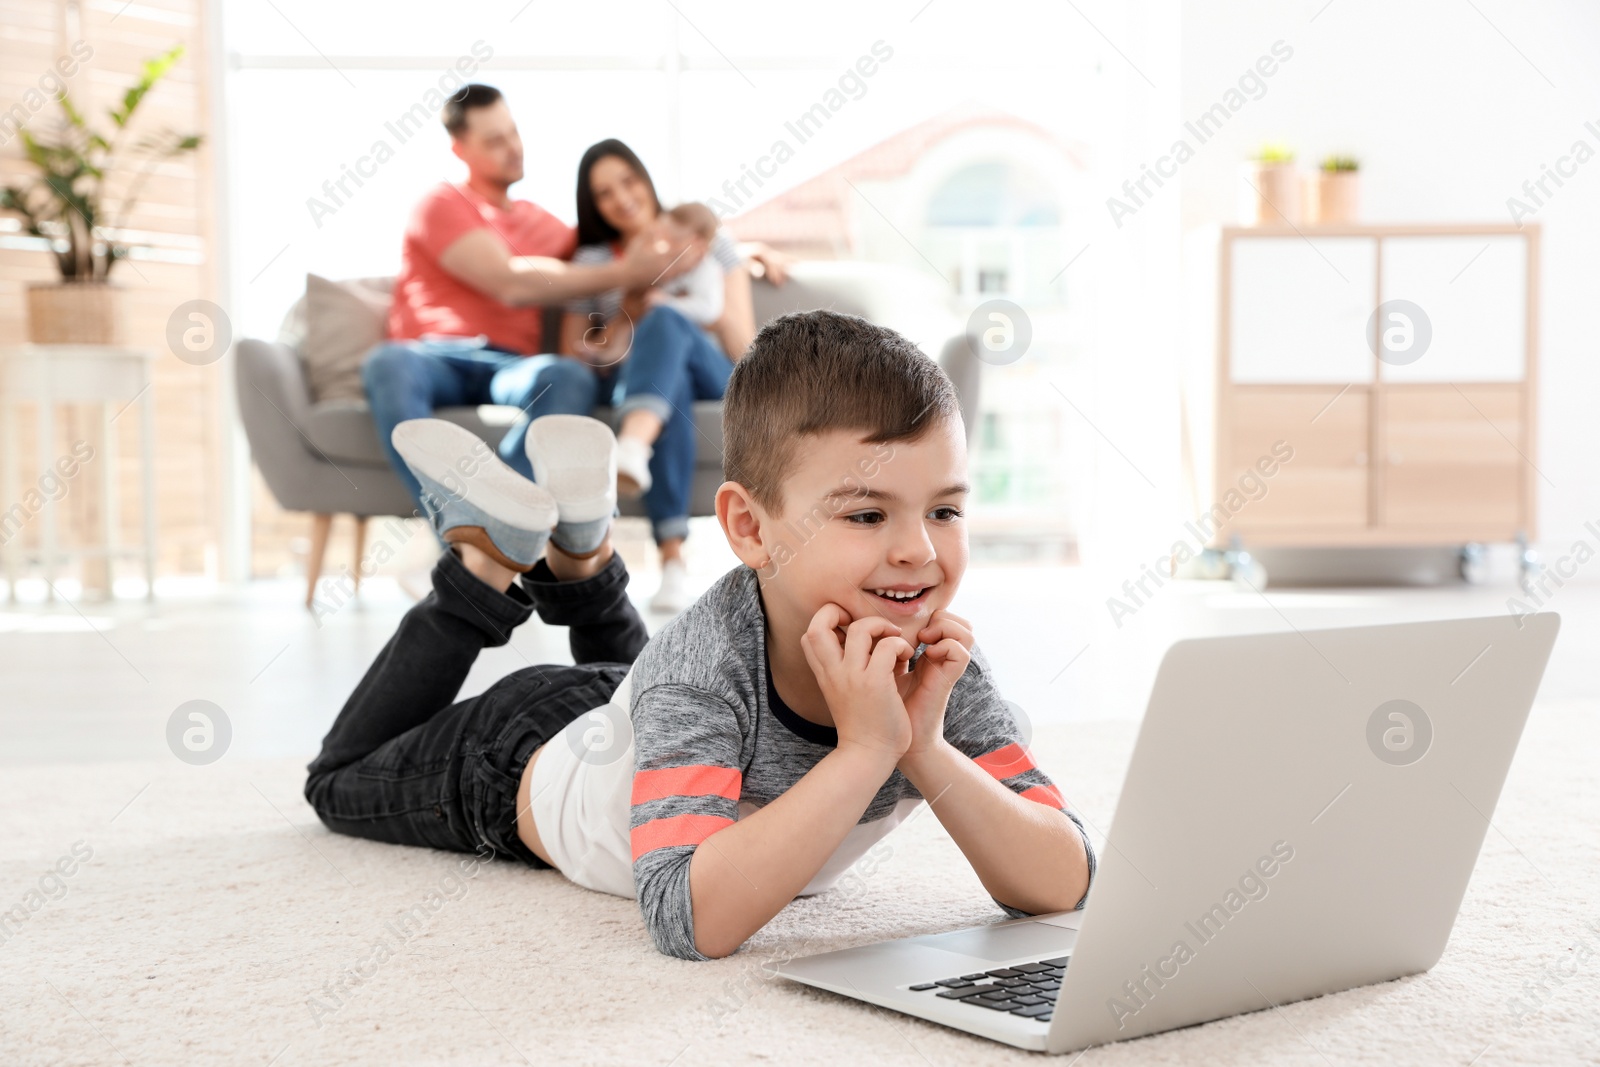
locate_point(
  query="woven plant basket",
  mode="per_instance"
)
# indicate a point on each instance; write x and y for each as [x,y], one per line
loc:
[83,313]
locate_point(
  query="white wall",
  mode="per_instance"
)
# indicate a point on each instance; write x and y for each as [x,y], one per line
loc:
[1448,120]
[1125,399]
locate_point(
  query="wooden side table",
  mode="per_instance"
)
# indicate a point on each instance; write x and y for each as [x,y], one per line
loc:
[115,379]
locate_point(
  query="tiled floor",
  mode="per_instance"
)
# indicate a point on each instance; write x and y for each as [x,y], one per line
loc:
[99,682]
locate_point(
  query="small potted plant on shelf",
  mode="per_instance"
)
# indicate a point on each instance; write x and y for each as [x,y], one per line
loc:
[1331,194]
[1269,192]
[71,205]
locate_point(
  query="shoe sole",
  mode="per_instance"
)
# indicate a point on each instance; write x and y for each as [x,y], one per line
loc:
[436,449]
[566,452]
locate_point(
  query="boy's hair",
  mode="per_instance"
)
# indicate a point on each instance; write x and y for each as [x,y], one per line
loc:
[814,371]
[696,217]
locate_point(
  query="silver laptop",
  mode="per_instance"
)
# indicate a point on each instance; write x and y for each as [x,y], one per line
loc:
[1301,816]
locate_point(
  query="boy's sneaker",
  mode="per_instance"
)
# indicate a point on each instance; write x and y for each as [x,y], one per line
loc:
[633,467]
[574,458]
[471,497]
[673,596]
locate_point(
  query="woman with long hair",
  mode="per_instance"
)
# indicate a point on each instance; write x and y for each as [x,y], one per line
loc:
[657,361]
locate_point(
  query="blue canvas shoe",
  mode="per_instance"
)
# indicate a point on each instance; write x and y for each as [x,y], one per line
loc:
[575,458]
[472,497]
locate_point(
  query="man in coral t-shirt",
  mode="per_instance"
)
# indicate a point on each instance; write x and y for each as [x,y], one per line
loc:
[464,326]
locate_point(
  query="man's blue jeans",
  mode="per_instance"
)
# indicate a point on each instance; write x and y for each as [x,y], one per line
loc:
[672,364]
[410,379]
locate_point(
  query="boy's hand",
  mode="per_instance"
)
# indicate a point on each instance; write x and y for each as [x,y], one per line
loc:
[926,690]
[857,674]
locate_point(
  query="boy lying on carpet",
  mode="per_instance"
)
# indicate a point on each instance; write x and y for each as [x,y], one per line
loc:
[767,737]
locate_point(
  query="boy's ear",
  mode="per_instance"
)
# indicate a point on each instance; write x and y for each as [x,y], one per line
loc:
[741,519]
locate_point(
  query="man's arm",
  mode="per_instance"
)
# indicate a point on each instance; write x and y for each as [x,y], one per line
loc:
[1028,855]
[743,875]
[481,259]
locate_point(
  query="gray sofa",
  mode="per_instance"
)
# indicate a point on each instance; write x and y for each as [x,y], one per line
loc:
[324,458]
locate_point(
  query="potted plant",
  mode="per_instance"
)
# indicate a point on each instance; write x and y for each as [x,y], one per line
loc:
[1269,193]
[1331,194]
[69,205]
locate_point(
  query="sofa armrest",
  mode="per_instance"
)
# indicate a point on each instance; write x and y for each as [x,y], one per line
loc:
[960,361]
[274,400]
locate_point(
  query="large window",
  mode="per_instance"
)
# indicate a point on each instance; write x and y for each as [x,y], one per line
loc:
[1001,221]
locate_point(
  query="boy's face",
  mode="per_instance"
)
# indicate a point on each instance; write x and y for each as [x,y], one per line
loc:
[879,529]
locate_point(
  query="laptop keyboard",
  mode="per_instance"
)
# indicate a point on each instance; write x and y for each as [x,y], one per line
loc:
[1025,989]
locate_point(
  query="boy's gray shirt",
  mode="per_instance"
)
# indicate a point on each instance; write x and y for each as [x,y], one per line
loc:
[706,738]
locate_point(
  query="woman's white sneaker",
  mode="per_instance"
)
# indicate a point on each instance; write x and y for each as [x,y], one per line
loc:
[673,596]
[633,467]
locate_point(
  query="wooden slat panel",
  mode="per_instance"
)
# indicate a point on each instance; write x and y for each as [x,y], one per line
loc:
[175,209]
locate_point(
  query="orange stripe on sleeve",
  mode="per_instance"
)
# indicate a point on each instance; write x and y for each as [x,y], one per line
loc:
[1005,762]
[692,780]
[687,829]
[1048,795]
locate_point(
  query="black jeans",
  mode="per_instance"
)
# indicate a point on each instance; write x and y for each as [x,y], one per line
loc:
[406,765]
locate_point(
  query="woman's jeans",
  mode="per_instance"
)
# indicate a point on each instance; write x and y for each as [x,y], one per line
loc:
[672,364]
[410,379]
[404,764]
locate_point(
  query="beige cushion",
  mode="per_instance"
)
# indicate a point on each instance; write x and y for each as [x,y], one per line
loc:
[342,322]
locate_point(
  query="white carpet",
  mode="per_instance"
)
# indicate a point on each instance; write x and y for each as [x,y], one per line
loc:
[215,910]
